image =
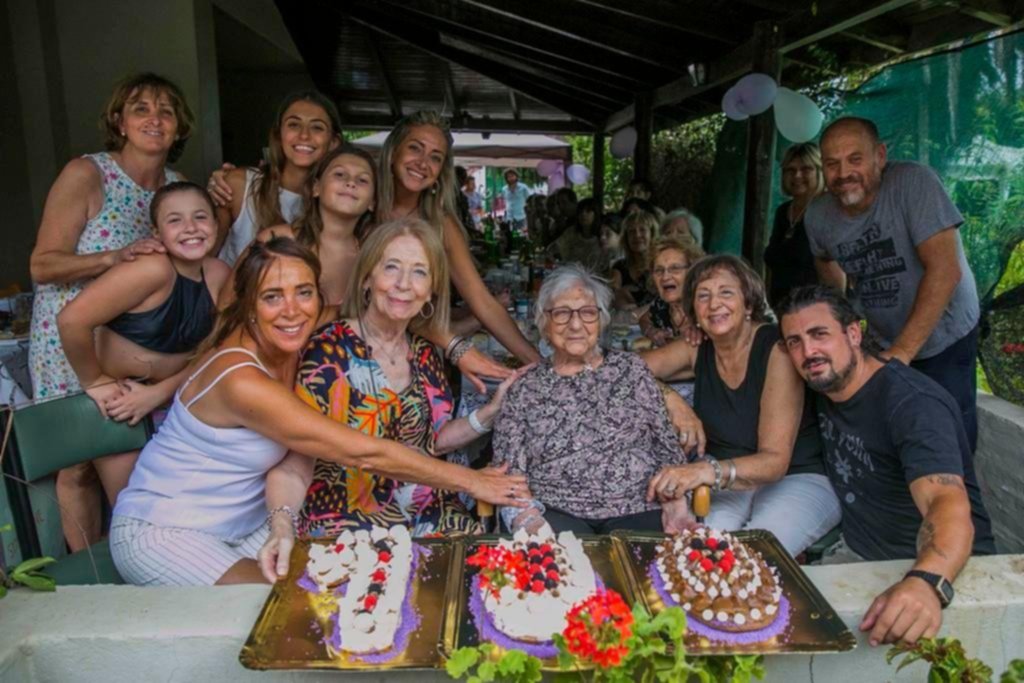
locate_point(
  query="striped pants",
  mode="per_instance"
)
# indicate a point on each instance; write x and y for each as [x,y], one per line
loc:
[149,555]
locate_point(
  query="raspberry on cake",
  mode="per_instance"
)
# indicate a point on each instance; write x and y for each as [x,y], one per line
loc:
[718,580]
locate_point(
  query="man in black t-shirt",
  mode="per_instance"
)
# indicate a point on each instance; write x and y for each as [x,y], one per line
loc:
[898,458]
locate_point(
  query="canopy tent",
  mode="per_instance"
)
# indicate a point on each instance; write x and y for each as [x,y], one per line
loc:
[496,149]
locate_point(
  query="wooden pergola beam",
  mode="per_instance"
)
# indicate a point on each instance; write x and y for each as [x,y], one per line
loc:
[873,42]
[513,102]
[449,87]
[389,87]
[552,94]
[666,17]
[476,25]
[471,124]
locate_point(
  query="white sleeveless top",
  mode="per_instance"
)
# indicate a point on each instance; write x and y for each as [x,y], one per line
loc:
[194,476]
[244,229]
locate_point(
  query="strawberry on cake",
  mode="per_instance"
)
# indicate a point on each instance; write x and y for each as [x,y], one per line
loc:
[726,588]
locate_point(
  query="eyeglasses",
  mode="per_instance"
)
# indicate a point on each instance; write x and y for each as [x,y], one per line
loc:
[562,316]
[674,269]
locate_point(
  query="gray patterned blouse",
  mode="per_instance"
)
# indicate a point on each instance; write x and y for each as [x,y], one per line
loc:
[589,443]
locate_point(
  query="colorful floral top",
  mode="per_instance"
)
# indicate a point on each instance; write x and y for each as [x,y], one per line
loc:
[588,443]
[123,219]
[338,377]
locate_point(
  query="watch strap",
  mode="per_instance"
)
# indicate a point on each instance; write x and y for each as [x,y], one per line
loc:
[943,588]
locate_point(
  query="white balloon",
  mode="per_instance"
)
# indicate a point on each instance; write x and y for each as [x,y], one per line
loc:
[623,142]
[548,167]
[577,174]
[756,92]
[731,105]
[797,116]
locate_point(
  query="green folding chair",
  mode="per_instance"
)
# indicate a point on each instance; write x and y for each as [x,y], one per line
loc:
[48,437]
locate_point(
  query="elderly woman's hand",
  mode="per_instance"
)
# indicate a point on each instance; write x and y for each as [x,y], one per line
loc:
[490,411]
[676,516]
[672,482]
[273,556]
[687,425]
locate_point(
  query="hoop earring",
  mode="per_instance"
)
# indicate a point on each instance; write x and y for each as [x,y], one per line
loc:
[431,302]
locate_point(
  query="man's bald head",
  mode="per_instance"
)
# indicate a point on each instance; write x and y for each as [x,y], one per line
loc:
[853,124]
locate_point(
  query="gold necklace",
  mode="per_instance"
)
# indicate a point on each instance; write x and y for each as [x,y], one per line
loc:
[392,356]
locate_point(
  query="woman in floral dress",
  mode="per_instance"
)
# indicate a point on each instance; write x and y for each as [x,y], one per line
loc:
[97,215]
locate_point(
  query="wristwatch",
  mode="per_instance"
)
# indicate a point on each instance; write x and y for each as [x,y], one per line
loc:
[943,588]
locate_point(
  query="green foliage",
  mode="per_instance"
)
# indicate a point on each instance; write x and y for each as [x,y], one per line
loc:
[949,662]
[1015,674]
[485,663]
[28,574]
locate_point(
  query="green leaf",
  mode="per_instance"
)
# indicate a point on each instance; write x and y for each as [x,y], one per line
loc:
[3,590]
[6,527]
[37,582]
[1015,674]
[32,565]
[461,661]
[486,671]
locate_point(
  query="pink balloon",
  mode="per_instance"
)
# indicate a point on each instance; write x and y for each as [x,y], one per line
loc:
[548,167]
[556,181]
[731,105]
[755,93]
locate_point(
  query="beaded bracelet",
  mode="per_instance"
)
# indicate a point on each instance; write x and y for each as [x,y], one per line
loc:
[284,508]
[460,350]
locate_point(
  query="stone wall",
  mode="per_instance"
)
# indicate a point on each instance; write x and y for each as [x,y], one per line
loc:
[999,462]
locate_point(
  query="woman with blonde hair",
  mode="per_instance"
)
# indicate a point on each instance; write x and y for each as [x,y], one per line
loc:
[417,178]
[788,258]
[373,370]
[97,216]
[630,275]
[671,258]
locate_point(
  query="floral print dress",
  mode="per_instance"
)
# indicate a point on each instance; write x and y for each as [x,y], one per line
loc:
[123,219]
[338,377]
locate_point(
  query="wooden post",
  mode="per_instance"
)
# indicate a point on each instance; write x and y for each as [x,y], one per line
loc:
[597,172]
[760,150]
[644,122]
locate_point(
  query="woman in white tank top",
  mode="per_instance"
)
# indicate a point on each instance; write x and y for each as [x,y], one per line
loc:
[306,128]
[193,512]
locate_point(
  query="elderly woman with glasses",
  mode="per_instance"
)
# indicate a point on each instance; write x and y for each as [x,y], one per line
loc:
[666,318]
[588,428]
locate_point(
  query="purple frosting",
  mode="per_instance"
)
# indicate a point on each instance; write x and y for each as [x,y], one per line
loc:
[488,632]
[407,625]
[692,625]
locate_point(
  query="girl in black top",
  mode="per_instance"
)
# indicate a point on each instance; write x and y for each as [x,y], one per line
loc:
[752,404]
[788,255]
[156,310]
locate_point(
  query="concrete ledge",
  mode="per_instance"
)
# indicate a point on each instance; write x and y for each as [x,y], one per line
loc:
[113,634]
[999,462]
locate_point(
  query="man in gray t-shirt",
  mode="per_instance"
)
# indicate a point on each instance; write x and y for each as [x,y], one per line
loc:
[892,229]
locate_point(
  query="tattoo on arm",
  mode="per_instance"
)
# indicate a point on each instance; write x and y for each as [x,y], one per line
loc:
[926,540]
[945,480]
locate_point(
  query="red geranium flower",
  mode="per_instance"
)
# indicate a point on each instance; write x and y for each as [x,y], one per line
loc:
[597,629]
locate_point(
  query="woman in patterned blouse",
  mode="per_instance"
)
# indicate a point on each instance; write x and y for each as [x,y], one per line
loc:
[589,429]
[373,371]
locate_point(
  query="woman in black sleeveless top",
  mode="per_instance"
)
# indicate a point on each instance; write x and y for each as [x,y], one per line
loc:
[751,401]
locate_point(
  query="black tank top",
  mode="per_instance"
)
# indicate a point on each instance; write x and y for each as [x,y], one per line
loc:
[175,326]
[731,416]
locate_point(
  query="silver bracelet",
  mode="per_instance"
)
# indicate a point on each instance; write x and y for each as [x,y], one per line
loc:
[284,508]
[732,475]
[717,467]
[474,422]
[452,344]
[460,350]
